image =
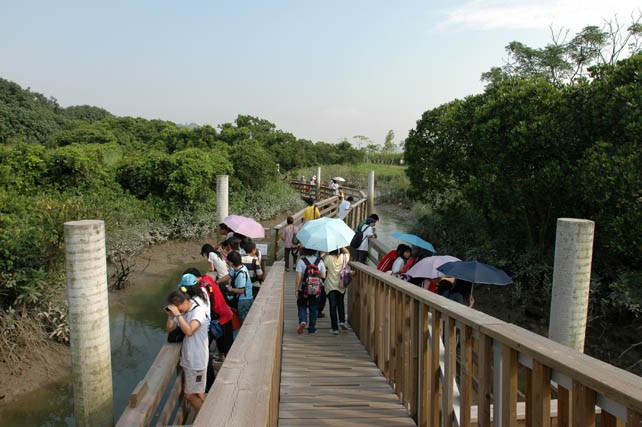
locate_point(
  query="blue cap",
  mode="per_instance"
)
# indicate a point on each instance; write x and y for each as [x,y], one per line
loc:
[188,280]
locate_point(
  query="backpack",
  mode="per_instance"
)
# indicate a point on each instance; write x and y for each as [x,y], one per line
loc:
[311,282]
[253,265]
[358,238]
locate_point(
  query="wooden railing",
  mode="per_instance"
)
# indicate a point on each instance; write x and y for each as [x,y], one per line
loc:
[246,389]
[327,208]
[157,399]
[402,327]
[309,190]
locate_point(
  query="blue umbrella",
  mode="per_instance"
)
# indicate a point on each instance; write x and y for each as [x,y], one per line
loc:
[414,240]
[475,272]
[325,234]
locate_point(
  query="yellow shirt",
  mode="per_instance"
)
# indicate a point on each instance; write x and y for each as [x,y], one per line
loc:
[310,213]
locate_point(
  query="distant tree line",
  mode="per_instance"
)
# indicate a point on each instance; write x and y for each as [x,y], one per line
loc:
[549,137]
[149,180]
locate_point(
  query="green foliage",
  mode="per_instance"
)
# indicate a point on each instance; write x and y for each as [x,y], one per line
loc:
[27,115]
[499,168]
[564,61]
[86,113]
[254,166]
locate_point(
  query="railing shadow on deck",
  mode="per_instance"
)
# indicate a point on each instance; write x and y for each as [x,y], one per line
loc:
[401,325]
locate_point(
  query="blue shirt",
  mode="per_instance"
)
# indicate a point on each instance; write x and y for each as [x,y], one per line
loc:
[241,279]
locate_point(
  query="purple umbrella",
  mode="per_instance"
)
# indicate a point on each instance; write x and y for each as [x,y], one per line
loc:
[245,226]
[427,267]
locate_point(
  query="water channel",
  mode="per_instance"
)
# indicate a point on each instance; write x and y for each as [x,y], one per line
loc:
[137,334]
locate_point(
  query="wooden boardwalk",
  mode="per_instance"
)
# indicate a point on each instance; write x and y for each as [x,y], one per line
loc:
[330,380]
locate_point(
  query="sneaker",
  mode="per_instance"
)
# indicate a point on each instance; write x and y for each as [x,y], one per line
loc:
[287,269]
[344,327]
[334,331]
[300,328]
[313,332]
[321,315]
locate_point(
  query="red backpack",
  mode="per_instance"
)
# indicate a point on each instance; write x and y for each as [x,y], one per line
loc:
[312,283]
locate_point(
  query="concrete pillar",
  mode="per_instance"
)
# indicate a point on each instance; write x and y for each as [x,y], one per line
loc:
[222,197]
[86,271]
[318,188]
[371,192]
[571,281]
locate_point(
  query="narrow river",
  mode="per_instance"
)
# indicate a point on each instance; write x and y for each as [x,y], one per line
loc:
[136,329]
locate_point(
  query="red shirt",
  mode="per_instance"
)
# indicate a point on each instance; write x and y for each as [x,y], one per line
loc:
[219,306]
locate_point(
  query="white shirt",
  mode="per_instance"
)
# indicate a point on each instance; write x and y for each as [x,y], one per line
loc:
[397,265]
[343,208]
[367,231]
[195,351]
[219,265]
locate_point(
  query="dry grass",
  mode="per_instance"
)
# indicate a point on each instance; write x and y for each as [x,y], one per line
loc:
[22,339]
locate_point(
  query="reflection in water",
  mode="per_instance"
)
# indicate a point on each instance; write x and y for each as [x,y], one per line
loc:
[137,334]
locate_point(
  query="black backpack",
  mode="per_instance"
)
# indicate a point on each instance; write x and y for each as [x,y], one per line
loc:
[358,238]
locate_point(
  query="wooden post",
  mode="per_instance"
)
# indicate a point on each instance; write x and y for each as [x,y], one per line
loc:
[222,197]
[86,271]
[571,280]
[371,191]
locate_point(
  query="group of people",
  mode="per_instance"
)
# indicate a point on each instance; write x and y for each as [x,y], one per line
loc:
[211,307]
[398,261]
[328,267]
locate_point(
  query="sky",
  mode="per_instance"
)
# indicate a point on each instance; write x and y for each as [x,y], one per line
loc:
[322,70]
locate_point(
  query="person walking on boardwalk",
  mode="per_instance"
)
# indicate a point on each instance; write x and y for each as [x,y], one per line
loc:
[344,206]
[289,247]
[306,302]
[311,212]
[192,317]
[334,262]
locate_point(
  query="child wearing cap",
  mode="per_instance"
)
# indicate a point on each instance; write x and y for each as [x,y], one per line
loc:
[189,310]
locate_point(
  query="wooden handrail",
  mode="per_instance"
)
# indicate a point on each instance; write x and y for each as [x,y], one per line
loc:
[399,324]
[162,383]
[246,390]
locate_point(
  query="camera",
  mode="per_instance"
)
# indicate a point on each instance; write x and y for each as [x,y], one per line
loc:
[167,309]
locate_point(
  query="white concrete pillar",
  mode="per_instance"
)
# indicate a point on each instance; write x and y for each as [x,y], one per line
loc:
[371,191]
[571,281]
[318,188]
[86,271]
[222,197]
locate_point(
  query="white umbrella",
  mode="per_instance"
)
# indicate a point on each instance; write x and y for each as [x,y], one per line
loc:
[339,179]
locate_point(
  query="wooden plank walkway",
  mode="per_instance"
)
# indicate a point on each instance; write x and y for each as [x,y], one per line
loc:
[330,380]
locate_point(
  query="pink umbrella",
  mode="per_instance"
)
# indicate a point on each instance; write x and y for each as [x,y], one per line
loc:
[245,226]
[427,267]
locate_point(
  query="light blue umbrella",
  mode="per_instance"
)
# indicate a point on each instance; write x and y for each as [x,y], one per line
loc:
[414,240]
[325,234]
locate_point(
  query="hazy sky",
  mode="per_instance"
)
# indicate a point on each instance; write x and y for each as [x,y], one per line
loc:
[323,70]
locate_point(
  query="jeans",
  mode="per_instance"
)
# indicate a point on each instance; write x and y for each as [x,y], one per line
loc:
[244,308]
[305,303]
[336,307]
[322,299]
